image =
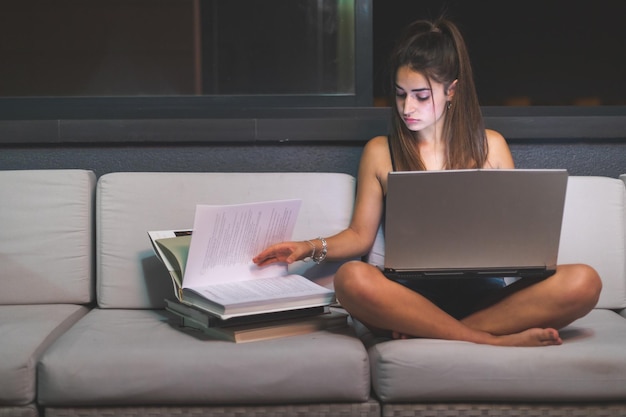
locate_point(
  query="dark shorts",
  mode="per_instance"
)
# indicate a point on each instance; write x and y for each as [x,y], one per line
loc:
[459,297]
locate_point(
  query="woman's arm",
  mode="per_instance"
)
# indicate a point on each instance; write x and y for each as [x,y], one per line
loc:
[358,238]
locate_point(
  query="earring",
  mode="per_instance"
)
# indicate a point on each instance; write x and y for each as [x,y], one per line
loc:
[449,105]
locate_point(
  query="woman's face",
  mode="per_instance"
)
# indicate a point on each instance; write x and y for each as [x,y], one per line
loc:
[420,103]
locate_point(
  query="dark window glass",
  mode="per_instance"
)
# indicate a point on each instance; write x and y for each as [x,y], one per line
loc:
[534,52]
[531,52]
[278,47]
[97,47]
[177,47]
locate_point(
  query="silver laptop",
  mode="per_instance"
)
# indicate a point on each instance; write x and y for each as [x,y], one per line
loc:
[473,223]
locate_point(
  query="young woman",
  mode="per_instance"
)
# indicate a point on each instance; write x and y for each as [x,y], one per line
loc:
[436,125]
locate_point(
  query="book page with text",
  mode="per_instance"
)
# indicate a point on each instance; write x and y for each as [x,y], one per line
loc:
[226,238]
[290,287]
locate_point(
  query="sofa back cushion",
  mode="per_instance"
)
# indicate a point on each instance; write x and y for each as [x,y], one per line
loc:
[130,204]
[46,236]
[594,232]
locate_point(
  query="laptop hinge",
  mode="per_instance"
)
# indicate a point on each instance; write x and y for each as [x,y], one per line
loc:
[491,273]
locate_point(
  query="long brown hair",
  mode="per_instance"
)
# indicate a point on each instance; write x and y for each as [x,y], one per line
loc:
[437,50]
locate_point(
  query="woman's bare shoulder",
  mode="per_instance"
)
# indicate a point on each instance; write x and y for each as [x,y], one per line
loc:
[376,160]
[376,149]
[499,153]
[377,142]
[494,136]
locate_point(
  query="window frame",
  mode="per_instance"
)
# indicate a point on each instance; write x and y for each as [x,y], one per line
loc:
[194,106]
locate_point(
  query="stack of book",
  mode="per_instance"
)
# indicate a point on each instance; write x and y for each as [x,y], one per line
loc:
[220,291]
[258,326]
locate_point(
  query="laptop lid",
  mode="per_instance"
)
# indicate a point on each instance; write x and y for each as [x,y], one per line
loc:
[468,223]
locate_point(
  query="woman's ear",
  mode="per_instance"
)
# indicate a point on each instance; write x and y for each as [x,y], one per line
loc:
[451,90]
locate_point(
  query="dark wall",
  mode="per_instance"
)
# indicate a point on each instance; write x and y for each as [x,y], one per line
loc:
[580,158]
[586,141]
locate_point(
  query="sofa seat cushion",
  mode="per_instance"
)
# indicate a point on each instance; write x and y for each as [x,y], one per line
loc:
[590,365]
[30,410]
[27,330]
[129,357]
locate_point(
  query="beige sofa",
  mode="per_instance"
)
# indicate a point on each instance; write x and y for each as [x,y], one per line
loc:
[84,332]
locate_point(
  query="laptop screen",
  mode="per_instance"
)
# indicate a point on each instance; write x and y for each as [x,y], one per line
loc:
[473,221]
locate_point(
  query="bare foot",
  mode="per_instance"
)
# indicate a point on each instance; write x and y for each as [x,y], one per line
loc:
[530,337]
[527,338]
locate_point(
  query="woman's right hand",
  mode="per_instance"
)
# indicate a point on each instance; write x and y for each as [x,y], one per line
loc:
[288,252]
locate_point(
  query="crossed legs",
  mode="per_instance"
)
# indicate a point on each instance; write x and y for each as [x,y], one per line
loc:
[529,315]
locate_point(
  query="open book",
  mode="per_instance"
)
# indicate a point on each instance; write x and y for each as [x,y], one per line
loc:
[212,267]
